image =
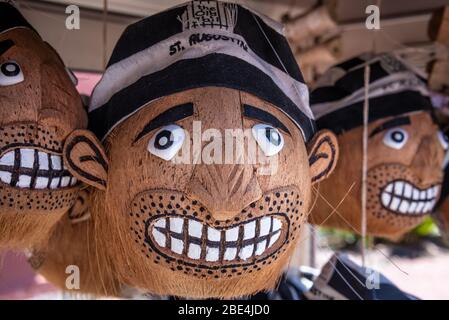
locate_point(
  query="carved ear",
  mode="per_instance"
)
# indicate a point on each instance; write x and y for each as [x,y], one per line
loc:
[85,158]
[80,210]
[323,155]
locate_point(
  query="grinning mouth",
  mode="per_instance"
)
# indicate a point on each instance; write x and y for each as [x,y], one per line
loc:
[34,169]
[190,237]
[404,198]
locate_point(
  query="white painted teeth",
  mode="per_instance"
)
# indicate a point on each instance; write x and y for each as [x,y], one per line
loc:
[185,236]
[33,169]
[265,224]
[232,234]
[249,230]
[403,197]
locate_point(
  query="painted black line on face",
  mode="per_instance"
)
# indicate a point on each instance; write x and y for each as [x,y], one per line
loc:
[98,158]
[16,167]
[29,145]
[167,117]
[35,173]
[393,123]
[317,156]
[263,116]
[5,45]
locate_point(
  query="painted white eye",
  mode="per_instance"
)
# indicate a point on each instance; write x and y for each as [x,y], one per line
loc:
[444,140]
[10,73]
[167,141]
[269,139]
[396,138]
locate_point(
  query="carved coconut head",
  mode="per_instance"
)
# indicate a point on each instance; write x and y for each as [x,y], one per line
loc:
[405,147]
[209,177]
[40,107]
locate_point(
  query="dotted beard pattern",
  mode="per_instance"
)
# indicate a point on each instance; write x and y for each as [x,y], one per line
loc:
[149,205]
[29,135]
[43,200]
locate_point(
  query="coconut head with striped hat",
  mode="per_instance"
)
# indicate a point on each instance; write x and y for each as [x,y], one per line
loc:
[212,153]
[39,109]
[405,146]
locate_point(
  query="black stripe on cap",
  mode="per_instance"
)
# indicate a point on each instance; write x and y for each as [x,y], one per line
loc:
[146,33]
[10,17]
[395,104]
[348,84]
[355,80]
[353,76]
[215,69]
[5,45]
[267,43]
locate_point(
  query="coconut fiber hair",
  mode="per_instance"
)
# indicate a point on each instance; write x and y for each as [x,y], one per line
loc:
[72,243]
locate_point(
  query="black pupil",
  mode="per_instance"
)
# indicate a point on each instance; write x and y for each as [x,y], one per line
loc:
[10,69]
[273,136]
[164,140]
[397,136]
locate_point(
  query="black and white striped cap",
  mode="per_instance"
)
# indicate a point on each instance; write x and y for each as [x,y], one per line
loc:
[394,88]
[10,17]
[198,44]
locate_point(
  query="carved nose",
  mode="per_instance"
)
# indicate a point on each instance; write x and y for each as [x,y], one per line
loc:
[225,190]
[428,161]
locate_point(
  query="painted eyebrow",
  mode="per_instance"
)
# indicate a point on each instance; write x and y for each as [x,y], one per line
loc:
[396,122]
[261,115]
[169,116]
[5,45]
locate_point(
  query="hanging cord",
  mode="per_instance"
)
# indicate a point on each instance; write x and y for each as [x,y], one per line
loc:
[312,237]
[367,71]
[314,233]
[335,253]
[365,161]
[105,33]
[277,56]
[313,247]
[340,216]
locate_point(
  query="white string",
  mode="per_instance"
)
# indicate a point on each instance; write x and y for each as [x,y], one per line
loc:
[365,160]
[105,33]
[315,231]
[367,72]
[344,279]
[279,59]
[335,211]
